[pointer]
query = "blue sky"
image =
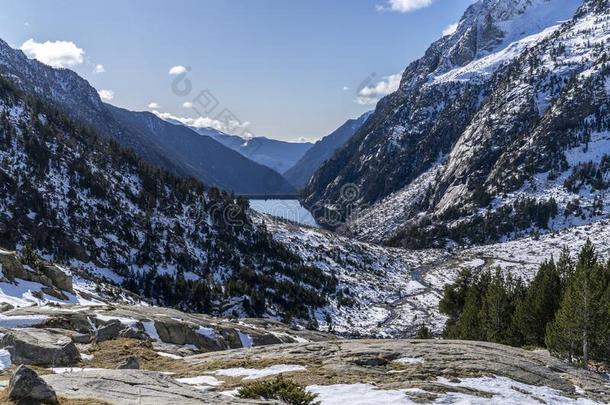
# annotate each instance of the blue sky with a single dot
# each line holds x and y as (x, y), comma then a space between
(283, 69)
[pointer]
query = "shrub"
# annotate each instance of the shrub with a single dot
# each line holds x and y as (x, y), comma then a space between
(281, 389)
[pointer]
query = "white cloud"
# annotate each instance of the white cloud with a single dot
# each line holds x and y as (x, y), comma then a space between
(450, 29)
(106, 95)
(178, 70)
(154, 106)
(187, 104)
(370, 95)
(345, 88)
(59, 54)
(405, 6)
(99, 69)
(230, 127)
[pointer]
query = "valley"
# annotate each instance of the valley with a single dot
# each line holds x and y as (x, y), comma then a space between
(451, 245)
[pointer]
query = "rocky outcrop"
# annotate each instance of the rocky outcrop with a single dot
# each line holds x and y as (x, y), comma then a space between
(48, 275)
(129, 363)
(429, 365)
(41, 347)
(27, 387)
(134, 387)
(83, 324)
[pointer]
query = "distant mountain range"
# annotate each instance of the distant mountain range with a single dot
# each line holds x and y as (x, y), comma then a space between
(297, 161)
(301, 171)
(179, 150)
(278, 155)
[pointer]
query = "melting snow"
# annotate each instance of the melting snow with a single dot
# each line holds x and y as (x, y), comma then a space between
(151, 330)
(207, 332)
(253, 373)
(169, 355)
(61, 370)
(409, 360)
(502, 390)
(5, 359)
(202, 380)
(245, 339)
(21, 321)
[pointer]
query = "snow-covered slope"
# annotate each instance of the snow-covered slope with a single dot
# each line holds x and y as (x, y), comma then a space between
(390, 292)
(83, 201)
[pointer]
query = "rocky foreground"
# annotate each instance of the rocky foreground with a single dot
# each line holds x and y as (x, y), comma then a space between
(103, 354)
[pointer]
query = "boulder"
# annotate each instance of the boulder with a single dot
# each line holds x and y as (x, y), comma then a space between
(180, 333)
(39, 347)
(109, 331)
(59, 279)
(26, 386)
(77, 322)
(81, 338)
(131, 333)
(129, 363)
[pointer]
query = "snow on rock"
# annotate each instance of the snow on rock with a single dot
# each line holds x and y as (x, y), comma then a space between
(253, 373)
(21, 321)
(62, 370)
(151, 330)
(357, 394)
(409, 360)
(245, 339)
(125, 321)
(207, 332)
(169, 355)
(5, 359)
(202, 380)
(493, 390)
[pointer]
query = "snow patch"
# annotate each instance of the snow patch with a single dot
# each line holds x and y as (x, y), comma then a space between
(245, 339)
(253, 373)
(5, 359)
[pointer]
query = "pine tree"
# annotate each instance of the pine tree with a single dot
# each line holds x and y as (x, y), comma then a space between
(454, 299)
(498, 307)
(565, 268)
(575, 331)
(539, 305)
(423, 333)
(469, 325)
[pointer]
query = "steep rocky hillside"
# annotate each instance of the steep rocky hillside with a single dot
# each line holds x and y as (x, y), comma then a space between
(498, 131)
(79, 199)
(181, 152)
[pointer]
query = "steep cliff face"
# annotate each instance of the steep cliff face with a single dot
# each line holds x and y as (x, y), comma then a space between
(483, 131)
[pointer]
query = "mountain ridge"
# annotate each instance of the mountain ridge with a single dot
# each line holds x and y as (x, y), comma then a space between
(435, 160)
(76, 97)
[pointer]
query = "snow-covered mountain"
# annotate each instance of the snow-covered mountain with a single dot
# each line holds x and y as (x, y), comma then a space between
(300, 173)
(277, 155)
(500, 129)
(181, 152)
(86, 202)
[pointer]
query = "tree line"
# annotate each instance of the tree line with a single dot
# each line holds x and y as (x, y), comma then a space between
(565, 308)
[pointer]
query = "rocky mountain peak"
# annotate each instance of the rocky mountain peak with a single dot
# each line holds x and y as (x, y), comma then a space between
(490, 25)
